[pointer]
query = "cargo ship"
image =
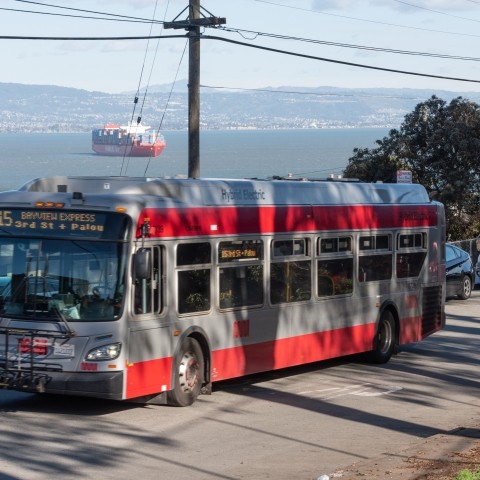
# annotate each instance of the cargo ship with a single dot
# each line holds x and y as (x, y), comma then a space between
(133, 140)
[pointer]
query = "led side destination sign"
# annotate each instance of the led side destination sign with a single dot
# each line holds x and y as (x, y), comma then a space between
(64, 223)
(240, 250)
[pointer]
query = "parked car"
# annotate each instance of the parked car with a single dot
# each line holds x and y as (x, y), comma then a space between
(477, 273)
(460, 272)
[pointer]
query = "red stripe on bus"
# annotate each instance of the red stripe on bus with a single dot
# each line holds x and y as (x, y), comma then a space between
(188, 222)
(146, 378)
(288, 352)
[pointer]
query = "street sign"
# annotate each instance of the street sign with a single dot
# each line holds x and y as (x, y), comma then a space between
(404, 176)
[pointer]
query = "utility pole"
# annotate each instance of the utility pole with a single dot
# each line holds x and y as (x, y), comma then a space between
(193, 23)
(194, 92)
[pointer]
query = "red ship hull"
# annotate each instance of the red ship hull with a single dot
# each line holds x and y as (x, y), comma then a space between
(142, 150)
(138, 140)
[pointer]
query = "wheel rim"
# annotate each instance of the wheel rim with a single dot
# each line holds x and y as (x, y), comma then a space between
(385, 337)
(466, 287)
(188, 372)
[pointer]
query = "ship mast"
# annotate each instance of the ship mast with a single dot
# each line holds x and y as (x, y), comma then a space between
(194, 21)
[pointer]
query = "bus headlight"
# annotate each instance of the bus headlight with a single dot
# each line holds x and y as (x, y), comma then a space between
(105, 352)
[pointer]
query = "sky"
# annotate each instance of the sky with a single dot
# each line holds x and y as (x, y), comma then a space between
(439, 38)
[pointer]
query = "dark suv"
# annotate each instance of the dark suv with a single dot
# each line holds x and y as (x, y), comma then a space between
(460, 272)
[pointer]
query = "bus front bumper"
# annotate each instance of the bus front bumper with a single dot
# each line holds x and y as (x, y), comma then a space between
(108, 385)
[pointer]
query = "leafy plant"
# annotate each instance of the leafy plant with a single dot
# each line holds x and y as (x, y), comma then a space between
(468, 475)
(439, 144)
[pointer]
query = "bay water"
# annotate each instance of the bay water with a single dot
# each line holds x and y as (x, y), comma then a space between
(223, 154)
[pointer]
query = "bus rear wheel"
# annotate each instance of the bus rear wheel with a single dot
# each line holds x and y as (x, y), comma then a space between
(385, 339)
(188, 374)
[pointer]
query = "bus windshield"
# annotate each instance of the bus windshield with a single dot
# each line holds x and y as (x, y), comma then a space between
(78, 280)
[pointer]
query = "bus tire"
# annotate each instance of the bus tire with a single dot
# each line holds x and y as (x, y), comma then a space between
(188, 374)
(385, 340)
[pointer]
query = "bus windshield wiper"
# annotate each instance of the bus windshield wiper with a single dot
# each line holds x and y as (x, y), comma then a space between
(63, 321)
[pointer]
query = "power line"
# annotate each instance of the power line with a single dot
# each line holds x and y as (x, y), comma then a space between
(86, 39)
(378, 22)
(127, 18)
(244, 44)
(436, 11)
(341, 62)
(317, 94)
(131, 20)
(140, 19)
(117, 17)
(347, 45)
(263, 34)
(135, 102)
(243, 31)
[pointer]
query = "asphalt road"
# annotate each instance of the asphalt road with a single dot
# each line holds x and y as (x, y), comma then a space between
(294, 424)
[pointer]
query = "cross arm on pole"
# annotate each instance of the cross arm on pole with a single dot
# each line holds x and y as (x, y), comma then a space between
(197, 22)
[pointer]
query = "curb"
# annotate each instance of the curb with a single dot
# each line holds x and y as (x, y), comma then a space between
(417, 460)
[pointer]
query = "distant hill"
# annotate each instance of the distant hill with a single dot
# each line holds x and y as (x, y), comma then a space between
(40, 108)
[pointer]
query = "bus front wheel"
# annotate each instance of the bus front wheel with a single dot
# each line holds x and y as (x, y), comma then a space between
(188, 374)
(385, 339)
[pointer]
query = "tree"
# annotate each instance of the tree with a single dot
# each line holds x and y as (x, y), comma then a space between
(440, 144)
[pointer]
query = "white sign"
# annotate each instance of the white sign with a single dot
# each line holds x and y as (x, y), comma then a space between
(404, 176)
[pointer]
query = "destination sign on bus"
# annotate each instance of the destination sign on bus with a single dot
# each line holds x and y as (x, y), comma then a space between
(235, 251)
(64, 223)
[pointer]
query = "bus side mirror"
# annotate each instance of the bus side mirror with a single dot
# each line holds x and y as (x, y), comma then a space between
(142, 265)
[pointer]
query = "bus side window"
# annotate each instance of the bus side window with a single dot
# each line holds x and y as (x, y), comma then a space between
(374, 268)
(335, 277)
(240, 273)
(290, 277)
(335, 266)
(193, 277)
(410, 264)
(411, 254)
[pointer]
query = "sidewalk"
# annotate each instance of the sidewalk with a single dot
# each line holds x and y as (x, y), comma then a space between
(439, 457)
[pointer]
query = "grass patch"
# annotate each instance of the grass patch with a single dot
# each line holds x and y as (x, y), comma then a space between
(468, 475)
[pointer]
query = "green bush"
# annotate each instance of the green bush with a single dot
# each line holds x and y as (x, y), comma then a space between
(468, 475)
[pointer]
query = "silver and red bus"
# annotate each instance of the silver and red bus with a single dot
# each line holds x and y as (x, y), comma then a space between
(151, 289)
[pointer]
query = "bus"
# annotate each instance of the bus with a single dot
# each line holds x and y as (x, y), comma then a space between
(151, 289)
